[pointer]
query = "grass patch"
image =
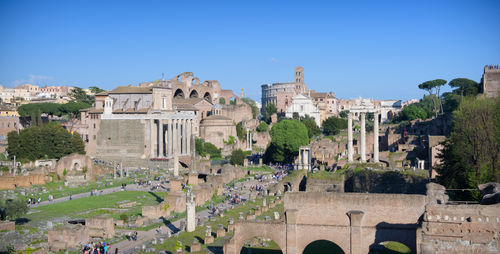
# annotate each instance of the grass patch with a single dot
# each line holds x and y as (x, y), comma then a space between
(395, 248)
(85, 207)
(337, 175)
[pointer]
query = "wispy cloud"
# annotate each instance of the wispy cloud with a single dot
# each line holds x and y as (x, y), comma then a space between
(33, 79)
(273, 60)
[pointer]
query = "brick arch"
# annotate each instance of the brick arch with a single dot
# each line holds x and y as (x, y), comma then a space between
(323, 240)
(338, 235)
(194, 94)
(179, 93)
(244, 231)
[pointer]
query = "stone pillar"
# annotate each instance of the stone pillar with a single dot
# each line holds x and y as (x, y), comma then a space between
(190, 211)
(176, 164)
(356, 241)
(169, 142)
(178, 133)
(174, 138)
(350, 149)
(375, 137)
(363, 137)
(184, 136)
(121, 170)
(160, 138)
(188, 136)
(151, 138)
(248, 138)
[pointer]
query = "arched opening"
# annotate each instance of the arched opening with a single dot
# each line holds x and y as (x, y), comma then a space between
(260, 245)
(76, 166)
(207, 97)
(179, 94)
(323, 247)
(194, 94)
(389, 247)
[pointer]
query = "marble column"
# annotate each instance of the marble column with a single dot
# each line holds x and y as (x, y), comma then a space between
(375, 137)
(248, 138)
(184, 136)
(161, 132)
(174, 137)
(151, 138)
(363, 137)
(188, 136)
(350, 149)
(178, 133)
(169, 142)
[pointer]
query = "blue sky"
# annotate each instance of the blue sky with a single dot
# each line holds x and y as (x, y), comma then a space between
(376, 49)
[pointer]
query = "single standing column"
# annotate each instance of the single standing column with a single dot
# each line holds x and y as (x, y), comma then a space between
(349, 138)
(151, 138)
(363, 137)
(160, 138)
(375, 137)
(188, 136)
(174, 138)
(248, 138)
(178, 133)
(169, 143)
(184, 136)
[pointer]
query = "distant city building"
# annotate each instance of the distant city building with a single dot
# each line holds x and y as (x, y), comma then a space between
(276, 92)
(9, 121)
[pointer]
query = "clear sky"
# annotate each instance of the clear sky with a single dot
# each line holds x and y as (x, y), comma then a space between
(376, 49)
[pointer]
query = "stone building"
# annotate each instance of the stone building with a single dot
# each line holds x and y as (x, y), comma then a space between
(274, 93)
(9, 121)
(326, 103)
(136, 124)
(491, 81)
(217, 128)
(303, 106)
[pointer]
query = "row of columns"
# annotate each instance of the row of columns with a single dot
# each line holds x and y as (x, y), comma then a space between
(350, 149)
(172, 137)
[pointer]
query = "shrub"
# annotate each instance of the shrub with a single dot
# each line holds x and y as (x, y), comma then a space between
(237, 157)
(262, 127)
(124, 217)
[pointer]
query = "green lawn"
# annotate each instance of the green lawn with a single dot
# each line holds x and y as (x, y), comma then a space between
(395, 248)
(57, 189)
(326, 175)
(92, 206)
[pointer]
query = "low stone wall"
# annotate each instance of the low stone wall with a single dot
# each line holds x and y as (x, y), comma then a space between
(460, 229)
(100, 227)
(11, 182)
(155, 211)
(68, 236)
(324, 185)
(74, 162)
(7, 225)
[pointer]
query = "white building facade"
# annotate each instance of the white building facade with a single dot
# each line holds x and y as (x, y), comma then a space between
(303, 106)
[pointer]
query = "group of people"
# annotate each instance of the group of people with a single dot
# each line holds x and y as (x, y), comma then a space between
(33, 201)
(94, 192)
(132, 236)
(97, 248)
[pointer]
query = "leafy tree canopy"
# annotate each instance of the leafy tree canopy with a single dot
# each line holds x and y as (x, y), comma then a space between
(237, 157)
(262, 127)
(47, 141)
(78, 95)
(269, 110)
(253, 105)
(333, 125)
(465, 87)
(286, 138)
(312, 128)
(96, 90)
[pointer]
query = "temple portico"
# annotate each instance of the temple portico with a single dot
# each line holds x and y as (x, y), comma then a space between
(362, 107)
(170, 134)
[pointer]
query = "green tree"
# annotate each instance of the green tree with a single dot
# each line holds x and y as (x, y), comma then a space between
(262, 127)
(464, 87)
(269, 110)
(13, 209)
(45, 141)
(240, 132)
(78, 95)
(429, 86)
(286, 138)
(312, 128)
(333, 125)
(222, 101)
(96, 90)
(212, 150)
(471, 153)
(412, 112)
(343, 113)
(237, 157)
